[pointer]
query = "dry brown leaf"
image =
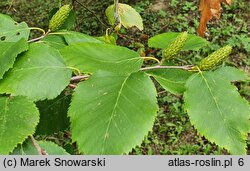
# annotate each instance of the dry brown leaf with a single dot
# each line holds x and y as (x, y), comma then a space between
(209, 9)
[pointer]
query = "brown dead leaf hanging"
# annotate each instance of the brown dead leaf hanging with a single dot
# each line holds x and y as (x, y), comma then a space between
(209, 9)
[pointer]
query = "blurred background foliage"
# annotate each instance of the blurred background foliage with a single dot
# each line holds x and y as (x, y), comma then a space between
(172, 132)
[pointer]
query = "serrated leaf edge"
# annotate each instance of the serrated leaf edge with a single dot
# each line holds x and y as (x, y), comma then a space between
(35, 123)
(130, 149)
(212, 140)
(10, 48)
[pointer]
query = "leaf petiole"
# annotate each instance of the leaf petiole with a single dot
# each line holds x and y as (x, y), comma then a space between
(75, 69)
(153, 58)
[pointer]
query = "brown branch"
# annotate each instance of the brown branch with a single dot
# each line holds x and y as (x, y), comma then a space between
(79, 78)
(73, 86)
(161, 92)
(76, 79)
(37, 146)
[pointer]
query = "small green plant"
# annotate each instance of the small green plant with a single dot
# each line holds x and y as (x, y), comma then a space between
(104, 90)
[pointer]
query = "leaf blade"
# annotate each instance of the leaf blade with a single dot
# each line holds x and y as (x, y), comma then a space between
(8, 53)
(27, 148)
(119, 127)
(163, 40)
(72, 37)
(11, 31)
(172, 80)
(224, 118)
(18, 119)
(56, 41)
(91, 57)
(27, 76)
(232, 74)
(128, 16)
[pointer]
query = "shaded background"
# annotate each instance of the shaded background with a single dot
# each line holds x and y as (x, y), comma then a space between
(172, 133)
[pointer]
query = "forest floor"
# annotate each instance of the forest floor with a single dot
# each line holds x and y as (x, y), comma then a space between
(172, 132)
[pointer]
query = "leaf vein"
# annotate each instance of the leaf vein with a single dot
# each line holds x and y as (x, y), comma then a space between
(113, 113)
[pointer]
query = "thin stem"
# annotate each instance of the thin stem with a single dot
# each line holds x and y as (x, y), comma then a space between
(153, 58)
(11, 4)
(116, 3)
(187, 67)
(198, 69)
(37, 28)
(161, 92)
(37, 146)
(194, 68)
(22, 150)
(92, 12)
(107, 31)
(58, 33)
(75, 69)
(38, 38)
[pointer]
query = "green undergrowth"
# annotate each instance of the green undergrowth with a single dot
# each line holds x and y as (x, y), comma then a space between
(172, 132)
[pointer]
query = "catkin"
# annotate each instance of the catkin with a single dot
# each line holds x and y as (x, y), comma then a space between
(174, 48)
(215, 58)
(59, 18)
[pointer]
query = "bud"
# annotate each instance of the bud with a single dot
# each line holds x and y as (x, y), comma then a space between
(175, 47)
(59, 18)
(215, 58)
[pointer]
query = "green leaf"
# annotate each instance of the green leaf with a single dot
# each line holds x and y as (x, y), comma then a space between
(232, 74)
(9, 52)
(18, 120)
(39, 74)
(11, 31)
(172, 80)
(52, 12)
(76, 37)
(111, 114)
(162, 41)
(52, 148)
(27, 148)
(55, 41)
(70, 21)
(128, 16)
(53, 115)
(91, 57)
(218, 111)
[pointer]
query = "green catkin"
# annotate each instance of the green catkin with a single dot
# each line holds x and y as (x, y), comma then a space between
(175, 47)
(59, 18)
(215, 58)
